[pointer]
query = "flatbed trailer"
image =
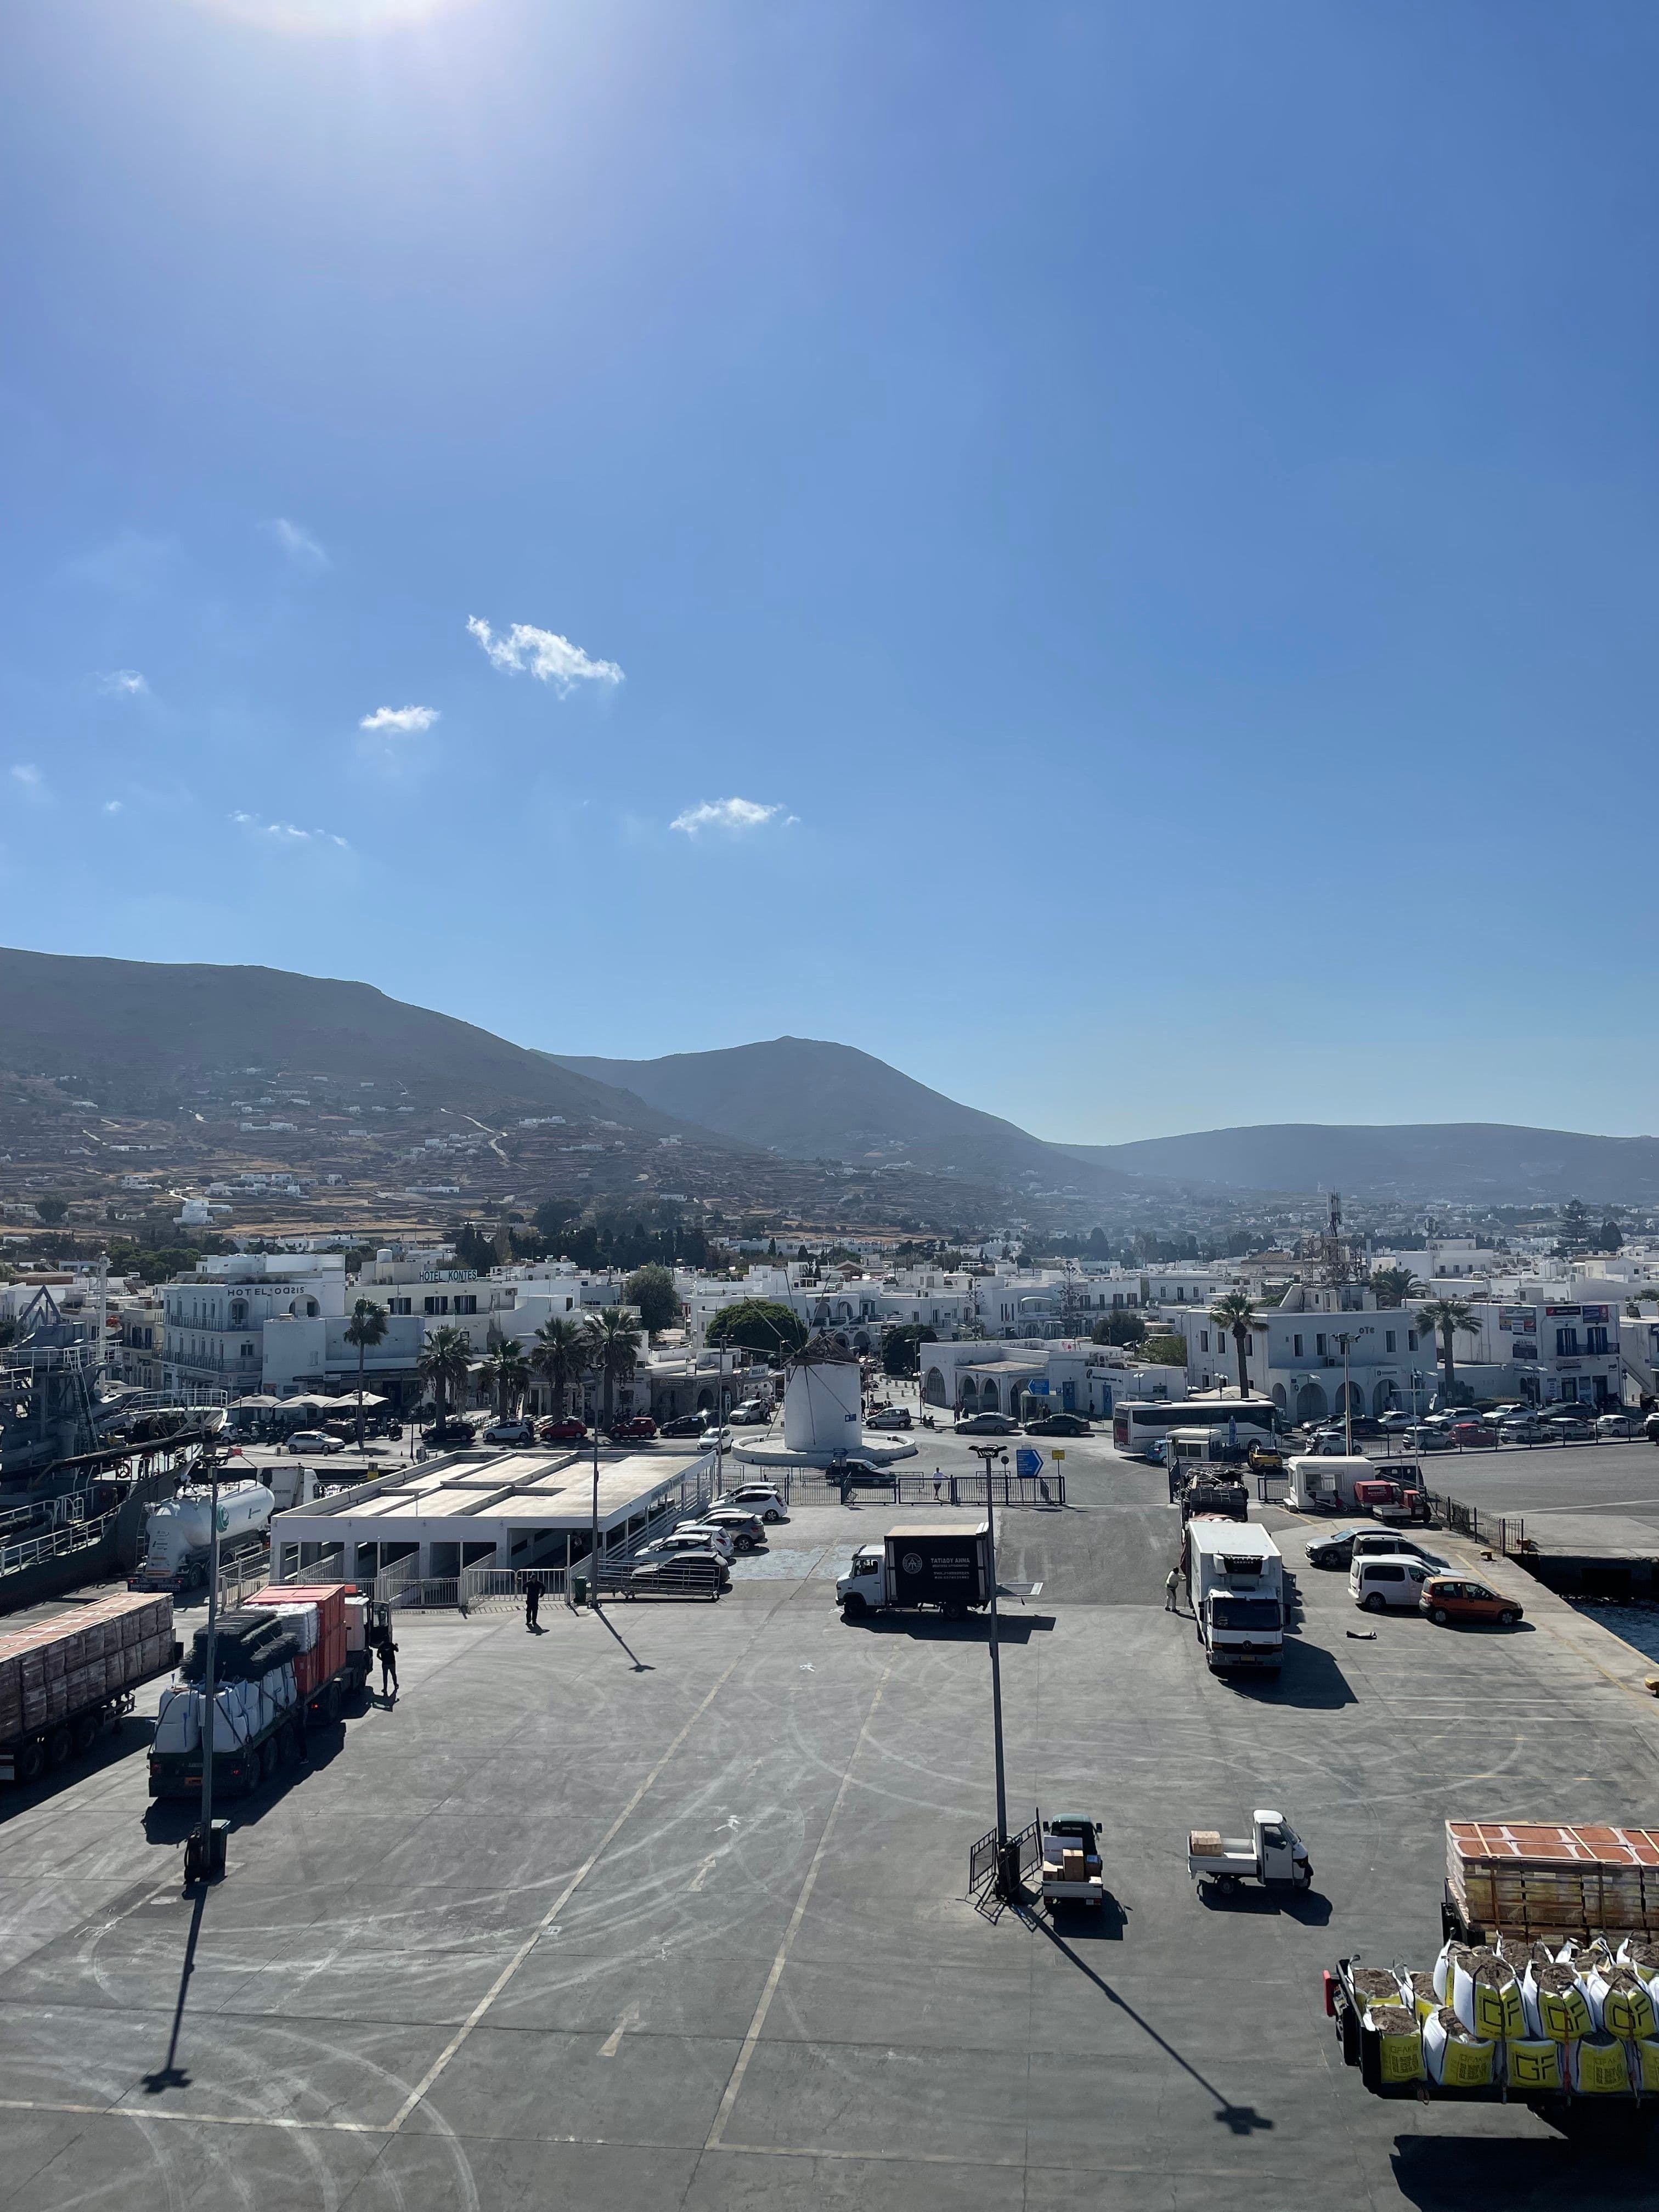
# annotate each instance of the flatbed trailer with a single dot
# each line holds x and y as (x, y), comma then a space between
(63, 1681)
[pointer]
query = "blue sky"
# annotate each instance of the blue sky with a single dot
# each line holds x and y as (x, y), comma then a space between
(1107, 555)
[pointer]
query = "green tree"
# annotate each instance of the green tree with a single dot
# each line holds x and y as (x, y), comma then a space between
(652, 1290)
(474, 1249)
(614, 1349)
(506, 1372)
(49, 1211)
(445, 1360)
(1393, 1285)
(1123, 1325)
(1236, 1314)
(367, 1326)
(560, 1353)
(1165, 1351)
(760, 1325)
(901, 1348)
(1446, 1316)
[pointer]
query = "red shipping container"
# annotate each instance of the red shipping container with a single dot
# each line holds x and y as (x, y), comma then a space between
(318, 1665)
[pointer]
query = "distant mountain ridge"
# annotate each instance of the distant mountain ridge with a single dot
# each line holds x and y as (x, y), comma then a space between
(815, 1100)
(1499, 1161)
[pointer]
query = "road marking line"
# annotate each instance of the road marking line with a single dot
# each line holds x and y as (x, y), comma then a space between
(424, 2085)
(704, 1872)
(197, 2120)
(734, 2085)
(612, 2043)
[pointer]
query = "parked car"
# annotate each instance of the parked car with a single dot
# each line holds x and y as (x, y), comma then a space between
(510, 1432)
(1466, 1429)
(686, 1424)
(679, 1540)
(757, 1497)
(1448, 1598)
(859, 1474)
(1519, 1429)
(988, 1425)
(1424, 1439)
(1395, 1418)
(1391, 1582)
(1058, 1424)
(1621, 1425)
(561, 1429)
(633, 1429)
(315, 1443)
(1651, 1425)
(448, 1436)
(889, 1416)
(753, 1413)
(744, 1528)
(1571, 1427)
(703, 1574)
(1329, 1443)
(1389, 1543)
(1333, 1549)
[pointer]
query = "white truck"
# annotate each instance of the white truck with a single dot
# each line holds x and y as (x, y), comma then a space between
(178, 1534)
(1072, 1869)
(1271, 1854)
(919, 1565)
(1236, 1584)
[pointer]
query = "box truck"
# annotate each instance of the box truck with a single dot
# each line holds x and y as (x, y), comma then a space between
(913, 1567)
(1236, 1583)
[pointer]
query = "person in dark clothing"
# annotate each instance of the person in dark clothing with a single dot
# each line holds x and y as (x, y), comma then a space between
(533, 1605)
(388, 1652)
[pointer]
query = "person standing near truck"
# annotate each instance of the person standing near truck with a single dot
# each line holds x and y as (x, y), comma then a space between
(1171, 1587)
(388, 1653)
(533, 1605)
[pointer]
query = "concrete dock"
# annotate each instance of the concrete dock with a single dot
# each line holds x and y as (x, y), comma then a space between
(670, 1909)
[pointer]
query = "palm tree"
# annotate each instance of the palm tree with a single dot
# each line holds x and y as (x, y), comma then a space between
(1393, 1285)
(1235, 1313)
(445, 1359)
(1447, 1315)
(367, 1326)
(560, 1352)
(506, 1372)
(613, 1346)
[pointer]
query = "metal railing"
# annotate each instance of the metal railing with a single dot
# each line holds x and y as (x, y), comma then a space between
(70, 1536)
(240, 1577)
(816, 1486)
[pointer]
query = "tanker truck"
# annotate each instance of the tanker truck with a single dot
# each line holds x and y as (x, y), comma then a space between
(179, 1534)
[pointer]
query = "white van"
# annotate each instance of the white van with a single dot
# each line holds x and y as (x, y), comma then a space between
(1381, 1584)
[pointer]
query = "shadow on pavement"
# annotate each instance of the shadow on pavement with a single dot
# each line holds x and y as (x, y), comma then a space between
(928, 1628)
(1306, 1906)
(1310, 1678)
(1449, 2173)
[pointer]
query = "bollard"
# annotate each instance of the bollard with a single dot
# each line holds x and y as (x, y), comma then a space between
(578, 1588)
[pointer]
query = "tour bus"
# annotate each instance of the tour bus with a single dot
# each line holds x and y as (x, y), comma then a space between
(1139, 1423)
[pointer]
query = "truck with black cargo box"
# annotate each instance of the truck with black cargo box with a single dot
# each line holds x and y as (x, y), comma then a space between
(919, 1565)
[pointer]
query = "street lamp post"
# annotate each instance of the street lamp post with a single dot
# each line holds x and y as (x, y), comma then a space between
(201, 1860)
(593, 1538)
(1006, 1885)
(1347, 1338)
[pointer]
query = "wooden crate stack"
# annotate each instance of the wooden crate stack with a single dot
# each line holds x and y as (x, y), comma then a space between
(1540, 1881)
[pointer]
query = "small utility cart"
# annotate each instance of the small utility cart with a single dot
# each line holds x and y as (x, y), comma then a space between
(1071, 1872)
(1271, 1854)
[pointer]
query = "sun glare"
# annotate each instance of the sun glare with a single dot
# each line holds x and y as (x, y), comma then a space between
(331, 18)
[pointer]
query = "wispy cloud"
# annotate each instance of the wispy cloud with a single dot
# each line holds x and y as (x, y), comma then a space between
(30, 777)
(300, 546)
(113, 806)
(285, 833)
(543, 654)
(123, 683)
(736, 817)
(400, 721)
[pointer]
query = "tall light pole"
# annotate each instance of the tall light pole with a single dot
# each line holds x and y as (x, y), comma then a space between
(593, 1539)
(1348, 1338)
(985, 1454)
(201, 1862)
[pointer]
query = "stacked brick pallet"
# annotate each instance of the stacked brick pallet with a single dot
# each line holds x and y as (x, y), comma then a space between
(80, 1661)
(1536, 1879)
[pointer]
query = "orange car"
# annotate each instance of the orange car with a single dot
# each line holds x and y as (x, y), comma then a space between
(1446, 1598)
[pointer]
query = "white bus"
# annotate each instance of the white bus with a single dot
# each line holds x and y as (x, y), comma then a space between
(1137, 1424)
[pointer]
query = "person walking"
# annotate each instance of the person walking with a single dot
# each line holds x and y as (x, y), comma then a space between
(939, 1483)
(533, 1605)
(388, 1652)
(1171, 1587)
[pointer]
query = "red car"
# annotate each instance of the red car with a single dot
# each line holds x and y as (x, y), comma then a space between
(563, 1429)
(634, 1429)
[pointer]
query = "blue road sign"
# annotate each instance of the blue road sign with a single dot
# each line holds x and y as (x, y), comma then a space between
(1028, 1462)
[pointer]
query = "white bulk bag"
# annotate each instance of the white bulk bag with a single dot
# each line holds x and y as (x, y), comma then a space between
(178, 1721)
(1555, 2004)
(1455, 2055)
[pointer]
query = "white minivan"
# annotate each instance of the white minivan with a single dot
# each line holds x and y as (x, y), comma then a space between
(1382, 1583)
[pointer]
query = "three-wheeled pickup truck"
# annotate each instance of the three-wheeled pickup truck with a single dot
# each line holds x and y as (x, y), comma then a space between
(1271, 1854)
(1071, 1872)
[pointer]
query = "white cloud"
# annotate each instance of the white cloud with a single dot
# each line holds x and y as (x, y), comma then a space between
(112, 806)
(285, 833)
(400, 721)
(300, 546)
(30, 777)
(123, 683)
(735, 816)
(547, 656)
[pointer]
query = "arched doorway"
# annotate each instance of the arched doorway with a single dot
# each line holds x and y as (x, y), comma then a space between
(934, 1389)
(1382, 1398)
(1280, 1399)
(989, 1399)
(1311, 1403)
(1351, 1394)
(970, 1394)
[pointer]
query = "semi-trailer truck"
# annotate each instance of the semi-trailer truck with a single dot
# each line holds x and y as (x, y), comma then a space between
(178, 1536)
(913, 1567)
(1236, 1583)
(283, 1660)
(62, 1681)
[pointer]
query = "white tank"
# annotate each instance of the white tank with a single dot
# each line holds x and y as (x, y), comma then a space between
(823, 1406)
(185, 1525)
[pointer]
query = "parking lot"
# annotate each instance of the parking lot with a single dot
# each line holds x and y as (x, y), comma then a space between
(670, 1909)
